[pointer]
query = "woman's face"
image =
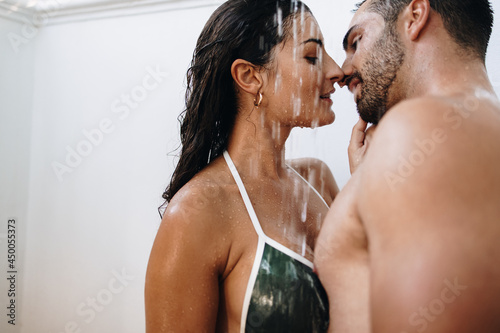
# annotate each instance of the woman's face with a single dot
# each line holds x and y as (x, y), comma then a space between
(301, 77)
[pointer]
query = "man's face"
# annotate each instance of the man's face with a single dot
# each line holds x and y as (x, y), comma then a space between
(374, 55)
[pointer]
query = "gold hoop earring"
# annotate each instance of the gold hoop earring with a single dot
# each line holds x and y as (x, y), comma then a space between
(257, 103)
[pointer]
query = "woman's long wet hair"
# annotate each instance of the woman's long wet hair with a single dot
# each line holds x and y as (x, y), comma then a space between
(238, 29)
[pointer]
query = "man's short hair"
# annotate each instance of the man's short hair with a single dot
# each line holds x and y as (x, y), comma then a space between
(469, 22)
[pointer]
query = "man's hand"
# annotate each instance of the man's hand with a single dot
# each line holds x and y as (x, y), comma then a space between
(358, 145)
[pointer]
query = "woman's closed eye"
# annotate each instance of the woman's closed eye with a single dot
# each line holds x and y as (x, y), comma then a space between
(312, 60)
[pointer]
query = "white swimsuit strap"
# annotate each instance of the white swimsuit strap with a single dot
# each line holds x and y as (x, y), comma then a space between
(244, 195)
(312, 187)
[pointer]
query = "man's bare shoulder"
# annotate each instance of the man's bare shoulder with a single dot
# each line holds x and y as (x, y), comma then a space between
(424, 125)
(446, 112)
(428, 200)
(404, 128)
(420, 114)
(435, 148)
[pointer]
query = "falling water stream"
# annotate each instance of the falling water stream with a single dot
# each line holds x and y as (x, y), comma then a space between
(296, 201)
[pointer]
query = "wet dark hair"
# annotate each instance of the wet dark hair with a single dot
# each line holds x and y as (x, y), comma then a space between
(238, 29)
(469, 22)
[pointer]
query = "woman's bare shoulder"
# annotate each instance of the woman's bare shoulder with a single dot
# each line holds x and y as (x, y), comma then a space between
(318, 174)
(305, 165)
(199, 203)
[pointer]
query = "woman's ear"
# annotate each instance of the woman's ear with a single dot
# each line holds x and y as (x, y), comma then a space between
(416, 17)
(246, 76)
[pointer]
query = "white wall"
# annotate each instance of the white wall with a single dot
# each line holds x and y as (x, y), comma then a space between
(16, 98)
(86, 227)
(96, 218)
(102, 216)
(493, 56)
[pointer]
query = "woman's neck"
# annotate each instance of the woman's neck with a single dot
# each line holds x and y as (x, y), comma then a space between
(257, 146)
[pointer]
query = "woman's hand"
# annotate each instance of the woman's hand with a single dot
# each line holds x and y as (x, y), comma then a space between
(360, 139)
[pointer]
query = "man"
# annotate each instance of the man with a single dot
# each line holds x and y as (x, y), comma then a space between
(412, 242)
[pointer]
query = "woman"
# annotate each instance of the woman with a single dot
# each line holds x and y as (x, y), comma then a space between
(235, 248)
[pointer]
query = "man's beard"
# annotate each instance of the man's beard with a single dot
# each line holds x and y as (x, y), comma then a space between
(378, 74)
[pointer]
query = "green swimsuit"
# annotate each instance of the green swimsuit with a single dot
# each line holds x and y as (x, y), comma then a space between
(283, 294)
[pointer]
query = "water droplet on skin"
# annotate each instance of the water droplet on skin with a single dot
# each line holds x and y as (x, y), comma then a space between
(297, 105)
(303, 216)
(277, 84)
(316, 103)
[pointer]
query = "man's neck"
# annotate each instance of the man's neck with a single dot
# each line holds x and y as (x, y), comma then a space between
(447, 76)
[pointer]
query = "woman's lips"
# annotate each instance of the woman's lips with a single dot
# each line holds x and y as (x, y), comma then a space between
(327, 97)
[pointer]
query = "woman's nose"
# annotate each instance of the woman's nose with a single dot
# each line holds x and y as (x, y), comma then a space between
(334, 72)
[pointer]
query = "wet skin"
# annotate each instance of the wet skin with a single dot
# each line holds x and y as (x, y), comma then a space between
(205, 248)
(411, 242)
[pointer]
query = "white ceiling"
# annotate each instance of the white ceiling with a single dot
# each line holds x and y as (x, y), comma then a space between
(61, 11)
(41, 4)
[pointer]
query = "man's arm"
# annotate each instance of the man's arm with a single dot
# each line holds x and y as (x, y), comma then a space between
(424, 212)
